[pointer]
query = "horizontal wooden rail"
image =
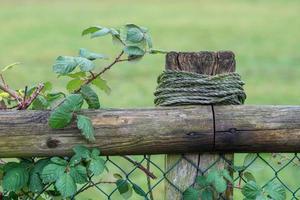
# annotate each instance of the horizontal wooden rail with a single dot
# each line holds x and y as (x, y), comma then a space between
(158, 130)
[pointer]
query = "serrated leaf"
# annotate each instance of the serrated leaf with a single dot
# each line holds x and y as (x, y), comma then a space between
(201, 181)
(59, 118)
(206, 194)
(251, 190)
(249, 176)
(66, 185)
(40, 103)
(62, 115)
(191, 194)
(92, 29)
(85, 125)
(85, 64)
(90, 97)
(15, 178)
(134, 51)
(226, 175)
(102, 85)
(97, 166)
(276, 191)
(134, 35)
(79, 174)
(74, 84)
(35, 182)
(249, 158)
(47, 86)
(124, 188)
(52, 172)
(64, 65)
(138, 190)
(101, 32)
(220, 184)
(82, 151)
(90, 55)
(77, 75)
(59, 161)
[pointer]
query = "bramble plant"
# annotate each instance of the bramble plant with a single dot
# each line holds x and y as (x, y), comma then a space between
(60, 177)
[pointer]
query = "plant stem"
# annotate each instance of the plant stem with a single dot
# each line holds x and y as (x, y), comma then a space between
(11, 92)
(27, 102)
(94, 76)
(140, 166)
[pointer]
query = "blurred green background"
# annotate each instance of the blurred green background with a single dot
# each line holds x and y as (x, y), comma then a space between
(264, 34)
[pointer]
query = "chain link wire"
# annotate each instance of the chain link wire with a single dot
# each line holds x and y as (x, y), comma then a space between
(266, 167)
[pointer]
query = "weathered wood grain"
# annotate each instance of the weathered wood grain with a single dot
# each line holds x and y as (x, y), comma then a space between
(117, 132)
(257, 128)
(184, 173)
(157, 130)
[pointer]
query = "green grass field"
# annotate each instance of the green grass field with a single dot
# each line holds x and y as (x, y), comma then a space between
(264, 34)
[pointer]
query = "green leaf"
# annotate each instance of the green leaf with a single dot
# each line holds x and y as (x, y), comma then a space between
(90, 55)
(134, 51)
(66, 185)
(276, 191)
(191, 194)
(10, 66)
(148, 40)
(40, 103)
(249, 176)
(77, 75)
(79, 174)
(92, 29)
(134, 35)
(85, 125)
(138, 190)
(97, 165)
(62, 115)
(102, 32)
(60, 118)
(52, 172)
(59, 161)
(201, 181)
(35, 183)
(124, 188)
(74, 84)
(64, 65)
(206, 194)
(90, 97)
(82, 151)
(226, 175)
(85, 64)
(220, 184)
(249, 158)
(102, 85)
(15, 178)
(251, 190)
(47, 86)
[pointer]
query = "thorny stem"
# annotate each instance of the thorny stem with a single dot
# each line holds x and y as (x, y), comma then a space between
(27, 102)
(148, 178)
(94, 76)
(11, 92)
(140, 166)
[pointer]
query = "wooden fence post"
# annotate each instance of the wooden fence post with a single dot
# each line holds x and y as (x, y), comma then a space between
(183, 174)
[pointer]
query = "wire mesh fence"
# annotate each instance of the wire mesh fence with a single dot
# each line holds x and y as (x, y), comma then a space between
(265, 167)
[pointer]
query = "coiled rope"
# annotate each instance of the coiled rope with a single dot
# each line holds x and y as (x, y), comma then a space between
(185, 88)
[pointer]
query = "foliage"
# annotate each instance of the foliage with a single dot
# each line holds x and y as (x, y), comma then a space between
(216, 181)
(59, 177)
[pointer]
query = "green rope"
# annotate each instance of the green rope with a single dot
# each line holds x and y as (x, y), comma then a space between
(185, 88)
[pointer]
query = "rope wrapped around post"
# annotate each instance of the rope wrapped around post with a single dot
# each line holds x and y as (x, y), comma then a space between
(186, 88)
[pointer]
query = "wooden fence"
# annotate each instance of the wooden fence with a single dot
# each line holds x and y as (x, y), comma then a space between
(164, 130)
